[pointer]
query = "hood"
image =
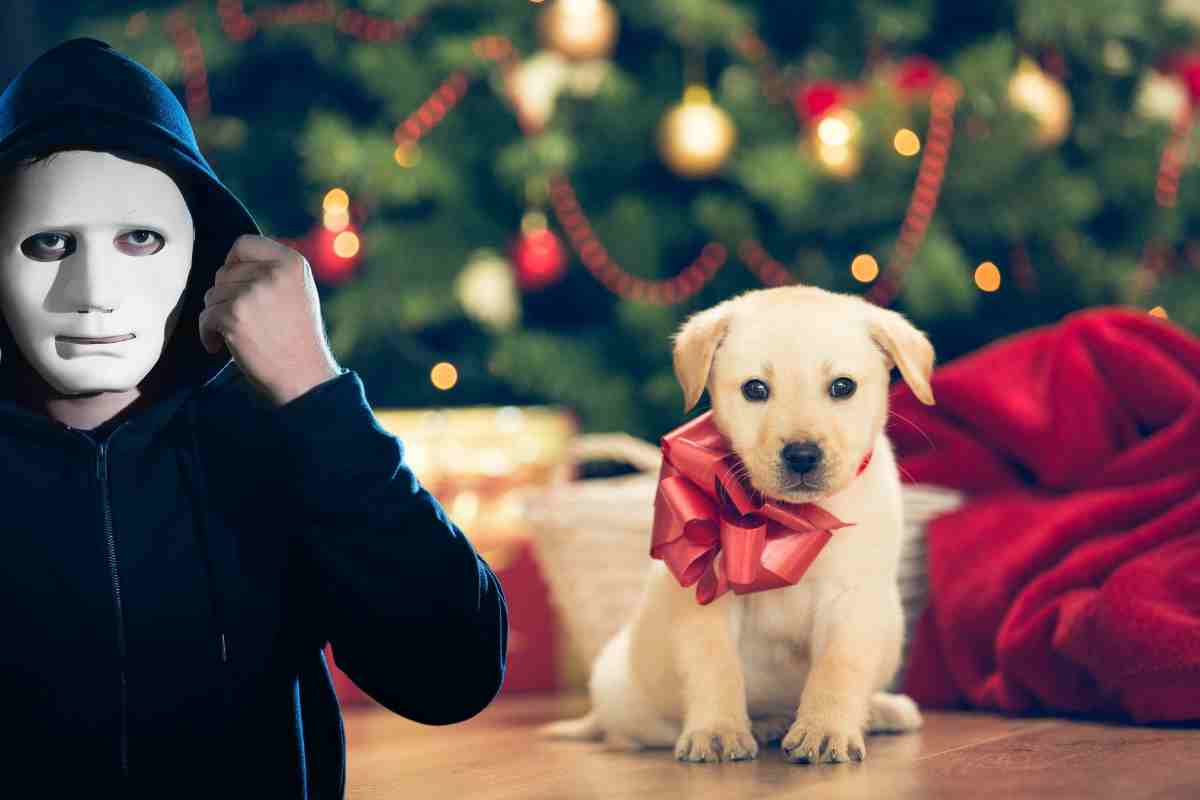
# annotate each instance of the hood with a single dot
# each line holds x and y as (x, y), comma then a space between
(84, 95)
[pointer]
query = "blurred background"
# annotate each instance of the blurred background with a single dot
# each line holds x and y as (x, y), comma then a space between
(535, 194)
(510, 205)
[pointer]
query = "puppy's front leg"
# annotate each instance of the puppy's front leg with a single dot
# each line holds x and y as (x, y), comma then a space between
(852, 644)
(716, 725)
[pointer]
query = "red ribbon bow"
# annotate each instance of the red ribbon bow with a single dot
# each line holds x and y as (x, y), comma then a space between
(711, 529)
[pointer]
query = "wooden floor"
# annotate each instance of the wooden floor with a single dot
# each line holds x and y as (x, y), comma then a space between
(965, 755)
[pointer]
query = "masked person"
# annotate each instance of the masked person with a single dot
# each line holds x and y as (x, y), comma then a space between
(196, 496)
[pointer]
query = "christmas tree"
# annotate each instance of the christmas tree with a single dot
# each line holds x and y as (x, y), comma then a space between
(519, 202)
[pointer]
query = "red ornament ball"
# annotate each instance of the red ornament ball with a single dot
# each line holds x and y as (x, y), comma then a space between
(917, 75)
(814, 99)
(539, 257)
(1187, 66)
(334, 260)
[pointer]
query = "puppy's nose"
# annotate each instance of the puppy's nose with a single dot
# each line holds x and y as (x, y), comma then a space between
(801, 457)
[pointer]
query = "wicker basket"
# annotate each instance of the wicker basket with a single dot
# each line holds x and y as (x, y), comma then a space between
(592, 538)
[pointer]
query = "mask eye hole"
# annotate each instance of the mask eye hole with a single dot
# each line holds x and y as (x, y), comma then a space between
(48, 246)
(842, 388)
(755, 390)
(142, 242)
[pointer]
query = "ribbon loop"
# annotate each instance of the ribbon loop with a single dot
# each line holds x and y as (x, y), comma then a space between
(715, 532)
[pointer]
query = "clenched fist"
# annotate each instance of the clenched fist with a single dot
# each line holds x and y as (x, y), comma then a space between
(264, 307)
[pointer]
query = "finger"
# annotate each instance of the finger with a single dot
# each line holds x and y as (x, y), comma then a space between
(213, 323)
(226, 291)
(243, 271)
(249, 247)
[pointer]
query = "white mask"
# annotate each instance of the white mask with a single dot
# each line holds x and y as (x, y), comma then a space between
(93, 245)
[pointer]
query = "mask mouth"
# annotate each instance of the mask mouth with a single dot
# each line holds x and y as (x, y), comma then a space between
(121, 337)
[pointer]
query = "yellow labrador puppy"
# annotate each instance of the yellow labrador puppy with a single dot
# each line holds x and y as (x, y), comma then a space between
(798, 381)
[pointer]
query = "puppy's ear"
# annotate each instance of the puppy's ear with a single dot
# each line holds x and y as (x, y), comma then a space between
(906, 348)
(695, 344)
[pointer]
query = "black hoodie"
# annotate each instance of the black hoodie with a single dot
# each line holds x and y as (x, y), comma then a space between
(171, 578)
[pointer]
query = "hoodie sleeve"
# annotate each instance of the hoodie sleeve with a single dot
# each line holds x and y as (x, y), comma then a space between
(416, 617)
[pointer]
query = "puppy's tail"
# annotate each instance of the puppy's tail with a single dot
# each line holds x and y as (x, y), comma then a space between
(893, 713)
(584, 729)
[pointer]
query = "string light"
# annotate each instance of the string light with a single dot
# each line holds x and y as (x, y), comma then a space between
(237, 25)
(443, 375)
(907, 143)
(834, 131)
(838, 158)
(336, 200)
(864, 268)
(837, 143)
(987, 276)
(757, 260)
(346, 244)
(407, 154)
(336, 220)
(1159, 311)
(924, 198)
(336, 205)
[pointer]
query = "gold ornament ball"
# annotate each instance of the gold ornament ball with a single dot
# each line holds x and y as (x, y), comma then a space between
(836, 143)
(535, 85)
(696, 136)
(1161, 96)
(579, 29)
(487, 289)
(1033, 91)
(1187, 10)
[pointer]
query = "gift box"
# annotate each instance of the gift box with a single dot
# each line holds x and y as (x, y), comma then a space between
(534, 631)
(477, 462)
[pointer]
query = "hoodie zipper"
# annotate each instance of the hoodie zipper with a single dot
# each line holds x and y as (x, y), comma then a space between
(102, 475)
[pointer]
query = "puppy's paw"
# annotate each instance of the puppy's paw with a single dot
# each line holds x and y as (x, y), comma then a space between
(721, 742)
(829, 742)
(893, 713)
(770, 729)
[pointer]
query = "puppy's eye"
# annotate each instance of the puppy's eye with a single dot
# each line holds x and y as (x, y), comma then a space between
(842, 387)
(755, 390)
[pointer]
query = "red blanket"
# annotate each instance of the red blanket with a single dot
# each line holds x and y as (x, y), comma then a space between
(1070, 579)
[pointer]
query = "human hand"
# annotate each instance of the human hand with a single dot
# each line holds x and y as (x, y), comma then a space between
(264, 307)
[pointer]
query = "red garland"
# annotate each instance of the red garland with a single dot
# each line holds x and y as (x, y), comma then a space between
(811, 101)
